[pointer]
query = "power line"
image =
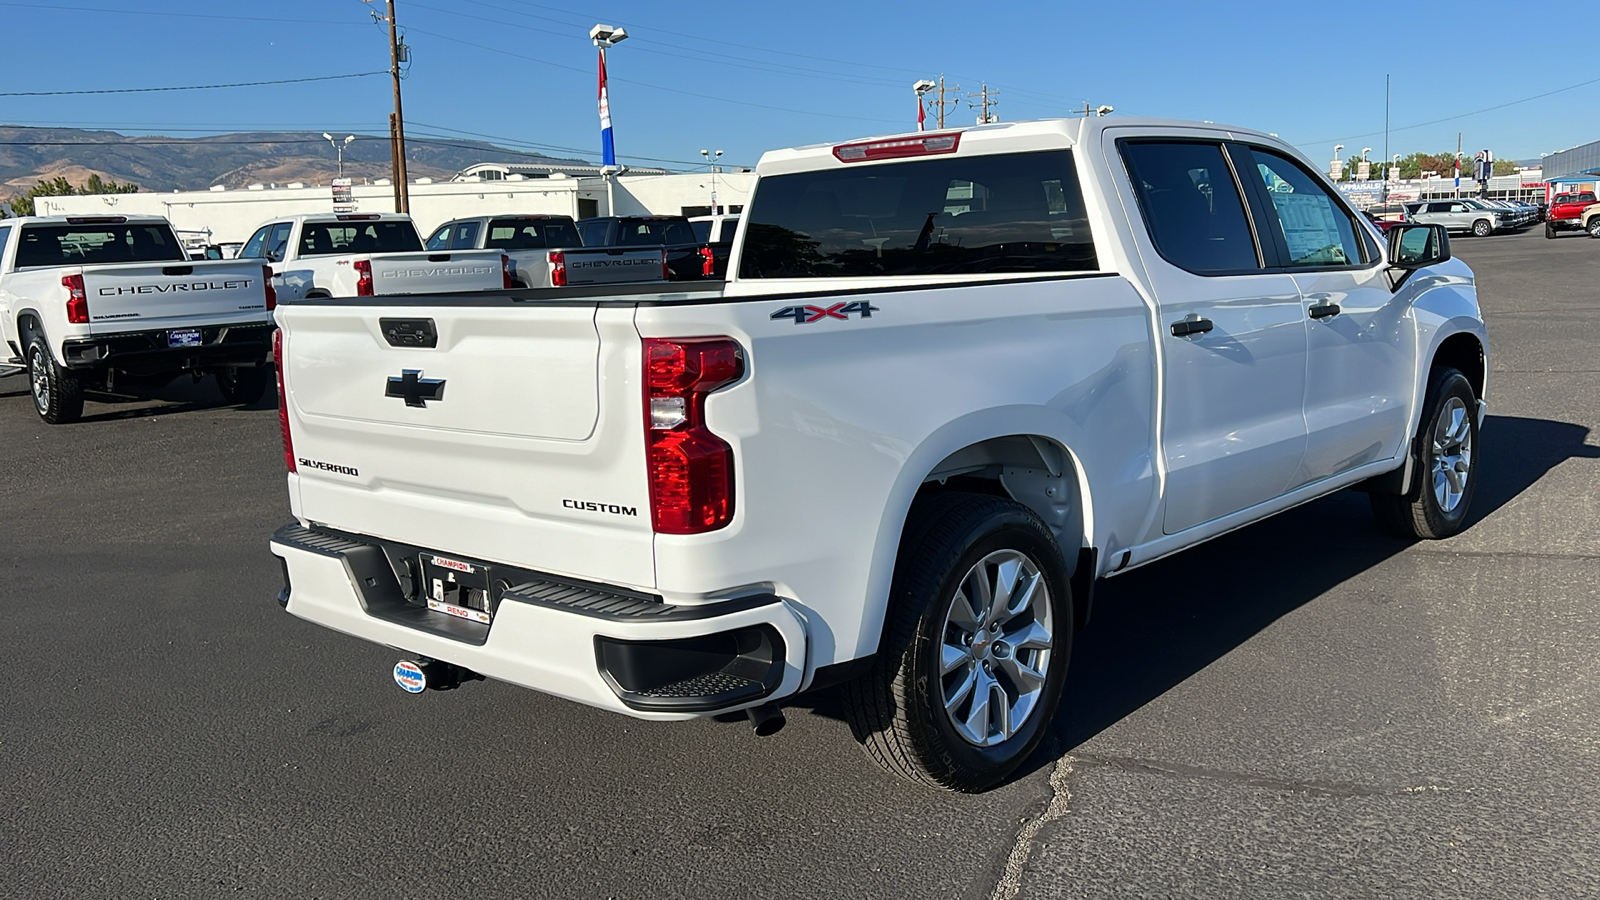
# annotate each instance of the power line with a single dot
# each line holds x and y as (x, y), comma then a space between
(173, 15)
(190, 87)
(696, 94)
(1570, 87)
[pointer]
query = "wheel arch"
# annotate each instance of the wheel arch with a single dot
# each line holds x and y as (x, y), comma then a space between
(1017, 452)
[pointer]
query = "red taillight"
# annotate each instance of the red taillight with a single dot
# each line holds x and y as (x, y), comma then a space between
(690, 469)
(272, 292)
(708, 262)
(363, 269)
(558, 268)
(898, 148)
(506, 279)
(283, 400)
(77, 300)
(666, 270)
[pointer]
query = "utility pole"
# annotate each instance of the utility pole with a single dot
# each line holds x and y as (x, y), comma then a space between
(984, 97)
(945, 104)
(398, 53)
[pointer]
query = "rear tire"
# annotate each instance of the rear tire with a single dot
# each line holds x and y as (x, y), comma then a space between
(57, 393)
(1549, 231)
(1443, 478)
(975, 645)
(242, 384)
(1594, 227)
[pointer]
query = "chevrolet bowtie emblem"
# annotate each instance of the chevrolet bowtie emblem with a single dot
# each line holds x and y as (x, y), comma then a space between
(411, 387)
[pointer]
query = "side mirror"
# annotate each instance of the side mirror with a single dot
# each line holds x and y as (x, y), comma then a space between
(1412, 246)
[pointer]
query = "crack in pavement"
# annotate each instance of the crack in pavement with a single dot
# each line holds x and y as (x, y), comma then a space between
(1268, 782)
(1010, 882)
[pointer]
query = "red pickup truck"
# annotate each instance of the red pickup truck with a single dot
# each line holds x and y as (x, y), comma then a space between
(1566, 212)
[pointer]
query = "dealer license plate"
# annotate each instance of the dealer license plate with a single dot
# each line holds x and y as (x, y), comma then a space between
(188, 337)
(456, 588)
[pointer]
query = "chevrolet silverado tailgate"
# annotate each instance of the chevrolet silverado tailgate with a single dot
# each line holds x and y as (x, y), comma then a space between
(437, 273)
(140, 296)
(498, 430)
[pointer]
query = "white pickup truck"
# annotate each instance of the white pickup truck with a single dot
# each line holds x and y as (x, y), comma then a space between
(103, 302)
(366, 254)
(953, 379)
(545, 251)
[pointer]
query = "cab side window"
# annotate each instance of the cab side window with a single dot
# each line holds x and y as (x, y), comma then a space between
(1192, 206)
(466, 236)
(440, 239)
(278, 241)
(256, 247)
(1316, 230)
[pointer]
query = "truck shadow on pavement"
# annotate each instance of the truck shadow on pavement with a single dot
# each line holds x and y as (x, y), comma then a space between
(1156, 626)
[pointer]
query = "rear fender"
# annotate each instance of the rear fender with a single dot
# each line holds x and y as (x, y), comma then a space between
(1047, 427)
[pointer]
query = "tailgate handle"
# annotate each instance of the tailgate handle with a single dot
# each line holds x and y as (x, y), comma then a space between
(438, 257)
(177, 270)
(409, 332)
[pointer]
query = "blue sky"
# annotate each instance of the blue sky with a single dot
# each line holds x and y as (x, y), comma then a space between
(745, 78)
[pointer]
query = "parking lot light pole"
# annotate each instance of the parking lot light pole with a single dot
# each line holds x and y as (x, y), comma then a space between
(339, 148)
(712, 161)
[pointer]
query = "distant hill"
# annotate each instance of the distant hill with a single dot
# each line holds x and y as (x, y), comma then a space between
(30, 155)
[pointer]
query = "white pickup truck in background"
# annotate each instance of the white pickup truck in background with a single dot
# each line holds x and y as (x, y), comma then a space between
(545, 251)
(953, 378)
(108, 302)
(366, 254)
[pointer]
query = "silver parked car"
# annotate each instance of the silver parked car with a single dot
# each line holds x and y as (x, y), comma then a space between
(1462, 216)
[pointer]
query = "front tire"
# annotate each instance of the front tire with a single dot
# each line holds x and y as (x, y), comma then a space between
(975, 645)
(1444, 478)
(1483, 228)
(57, 393)
(242, 384)
(1594, 227)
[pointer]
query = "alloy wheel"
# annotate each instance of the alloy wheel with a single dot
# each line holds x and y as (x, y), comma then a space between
(996, 647)
(1451, 454)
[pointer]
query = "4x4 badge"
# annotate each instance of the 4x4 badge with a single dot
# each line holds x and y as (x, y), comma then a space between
(411, 387)
(804, 315)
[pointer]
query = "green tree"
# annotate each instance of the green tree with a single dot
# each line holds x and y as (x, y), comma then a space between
(59, 186)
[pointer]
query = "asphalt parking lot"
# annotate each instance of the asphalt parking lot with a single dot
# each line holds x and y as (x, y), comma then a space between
(1305, 708)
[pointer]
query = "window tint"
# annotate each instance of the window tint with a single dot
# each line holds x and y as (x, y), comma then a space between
(466, 237)
(71, 245)
(526, 234)
(1192, 206)
(702, 231)
(1316, 230)
(278, 241)
(1020, 212)
(594, 234)
(5, 235)
(440, 239)
(326, 238)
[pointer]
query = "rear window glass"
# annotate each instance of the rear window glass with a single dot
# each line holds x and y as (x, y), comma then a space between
(326, 238)
(523, 234)
(73, 245)
(655, 232)
(1019, 212)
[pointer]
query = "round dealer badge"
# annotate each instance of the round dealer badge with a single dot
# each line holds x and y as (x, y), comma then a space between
(409, 676)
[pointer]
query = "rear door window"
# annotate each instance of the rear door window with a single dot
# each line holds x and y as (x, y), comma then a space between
(465, 236)
(1192, 206)
(594, 234)
(1000, 213)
